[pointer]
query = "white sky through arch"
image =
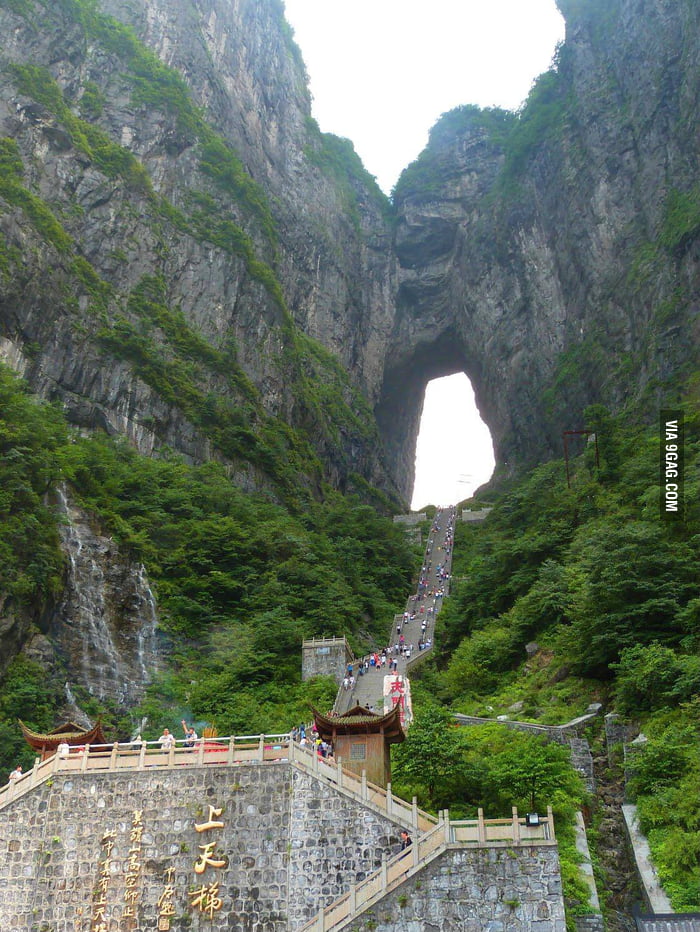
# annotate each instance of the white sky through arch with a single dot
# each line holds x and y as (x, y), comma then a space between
(381, 72)
(454, 455)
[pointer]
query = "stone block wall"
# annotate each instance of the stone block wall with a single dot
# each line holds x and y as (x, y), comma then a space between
(472, 890)
(325, 657)
(334, 842)
(281, 845)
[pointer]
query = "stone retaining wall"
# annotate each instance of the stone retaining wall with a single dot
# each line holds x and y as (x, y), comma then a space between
(562, 734)
(325, 657)
(288, 844)
(251, 847)
(470, 890)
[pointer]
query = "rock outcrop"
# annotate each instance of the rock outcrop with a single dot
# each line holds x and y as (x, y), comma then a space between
(188, 261)
(554, 257)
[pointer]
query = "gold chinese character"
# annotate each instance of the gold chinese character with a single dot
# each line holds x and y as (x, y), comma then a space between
(108, 848)
(207, 898)
(167, 909)
(168, 892)
(169, 874)
(206, 859)
(100, 927)
(128, 912)
(163, 924)
(108, 836)
(138, 813)
(132, 895)
(99, 912)
(136, 833)
(205, 826)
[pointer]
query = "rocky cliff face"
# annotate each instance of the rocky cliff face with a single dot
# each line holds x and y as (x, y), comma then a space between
(187, 261)
(174, 228)
(555, 257)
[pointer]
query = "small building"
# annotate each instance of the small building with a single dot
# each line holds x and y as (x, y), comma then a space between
(412, 519)
(69, 733)
(475, 515)
(325, 657)
(362, 738)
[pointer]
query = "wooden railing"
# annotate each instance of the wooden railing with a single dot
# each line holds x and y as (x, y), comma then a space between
(227, 751)
(478, 832)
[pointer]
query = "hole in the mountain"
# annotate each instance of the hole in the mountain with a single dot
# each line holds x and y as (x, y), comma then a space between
(454, 454)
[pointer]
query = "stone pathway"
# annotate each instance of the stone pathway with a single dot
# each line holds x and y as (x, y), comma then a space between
(368, 690)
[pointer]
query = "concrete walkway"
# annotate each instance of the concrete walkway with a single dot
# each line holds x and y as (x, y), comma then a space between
(424, 603)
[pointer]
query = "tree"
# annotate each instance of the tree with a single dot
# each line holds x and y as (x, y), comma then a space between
(431, 757)
(522, 769)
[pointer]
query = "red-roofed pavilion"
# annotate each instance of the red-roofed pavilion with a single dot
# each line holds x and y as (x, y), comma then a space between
(69, 733)
(362, 738)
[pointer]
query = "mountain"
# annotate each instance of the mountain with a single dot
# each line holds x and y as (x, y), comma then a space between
(553, 254)
(189, 262)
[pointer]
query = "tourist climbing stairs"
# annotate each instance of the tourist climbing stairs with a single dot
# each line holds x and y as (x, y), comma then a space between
(412, 631)
(396, 871)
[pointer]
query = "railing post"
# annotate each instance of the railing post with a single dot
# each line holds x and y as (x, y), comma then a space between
(448, 827)
(83, 762)
(339, 767)
(550, 823)
(171, 755)
(291, 749)
(415, 854)
(516, 826)
(231, 749)
(56, 760)
(363, 786)
(34, 772)
(481, 827)
(200, 751)
(113, 756)
(142, 756)
(388, 800)
(320, 920)
(352, 900)
(261, 748)
(414, 813)
(383, 872)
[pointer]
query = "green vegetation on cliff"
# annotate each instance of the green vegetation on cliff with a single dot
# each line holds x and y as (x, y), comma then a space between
(205, 382)
(240, 580)
(608, 596)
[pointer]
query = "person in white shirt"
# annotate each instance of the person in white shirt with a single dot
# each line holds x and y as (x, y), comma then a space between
(166, 740)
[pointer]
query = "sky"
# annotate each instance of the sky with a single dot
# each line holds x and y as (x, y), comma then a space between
(381, 73)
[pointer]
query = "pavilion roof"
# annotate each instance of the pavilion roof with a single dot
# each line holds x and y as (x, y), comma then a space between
(68, 733)
(360, 721)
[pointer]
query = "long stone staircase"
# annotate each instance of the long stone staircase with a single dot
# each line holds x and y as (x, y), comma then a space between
(425, 605)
